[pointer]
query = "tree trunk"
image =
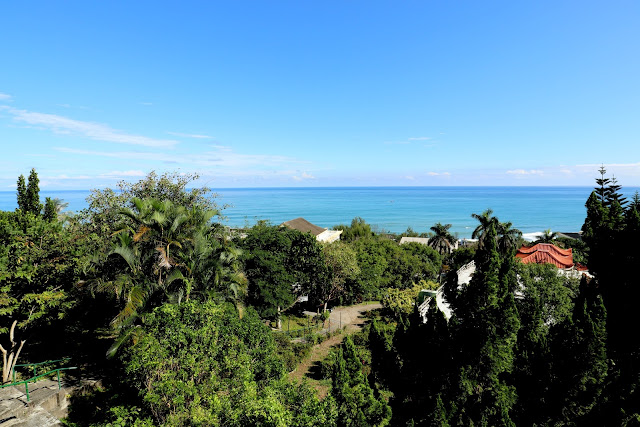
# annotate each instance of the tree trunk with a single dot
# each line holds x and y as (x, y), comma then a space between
(10, 357)
(279, 320)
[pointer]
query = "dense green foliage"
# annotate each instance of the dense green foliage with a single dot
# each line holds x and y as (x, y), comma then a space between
(202, 364)
(281, 264)
(185, 303)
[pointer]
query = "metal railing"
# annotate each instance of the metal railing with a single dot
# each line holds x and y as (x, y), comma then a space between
(35, 378)
(35, 366)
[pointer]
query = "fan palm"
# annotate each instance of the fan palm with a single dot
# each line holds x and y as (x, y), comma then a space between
(442, 241)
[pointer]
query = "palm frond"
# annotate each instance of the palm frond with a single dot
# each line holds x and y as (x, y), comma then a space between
(128, 254)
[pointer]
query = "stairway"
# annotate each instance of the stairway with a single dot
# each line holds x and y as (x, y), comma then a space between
(46, 405)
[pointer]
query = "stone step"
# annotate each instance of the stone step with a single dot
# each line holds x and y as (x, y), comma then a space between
(46, 403)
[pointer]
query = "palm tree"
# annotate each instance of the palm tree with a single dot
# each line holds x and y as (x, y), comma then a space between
(167, 253)
(486, 221)
(508, 238)
(548, 236)
(442, 241)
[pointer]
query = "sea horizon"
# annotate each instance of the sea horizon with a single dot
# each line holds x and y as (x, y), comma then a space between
(532, 209)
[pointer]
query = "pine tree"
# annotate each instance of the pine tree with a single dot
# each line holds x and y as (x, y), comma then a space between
(581, 363)
(614, 193)
(32, 199)
(50, 211)
(594, 232)
(22, 194)
(602, 189)
(486, 335)
(357, 405)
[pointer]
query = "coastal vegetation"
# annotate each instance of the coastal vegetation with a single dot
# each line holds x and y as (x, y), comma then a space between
(180, 318)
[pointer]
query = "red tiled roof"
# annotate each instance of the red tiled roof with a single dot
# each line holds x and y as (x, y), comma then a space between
(546, 253)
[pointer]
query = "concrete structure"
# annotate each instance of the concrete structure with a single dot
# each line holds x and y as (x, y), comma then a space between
(321, 234)
(46, 406)
(421, 240)
(425, 241)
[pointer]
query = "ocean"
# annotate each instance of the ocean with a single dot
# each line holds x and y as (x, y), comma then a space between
(530, 209)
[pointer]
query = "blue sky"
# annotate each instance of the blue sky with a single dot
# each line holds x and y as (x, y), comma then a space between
(320, 93)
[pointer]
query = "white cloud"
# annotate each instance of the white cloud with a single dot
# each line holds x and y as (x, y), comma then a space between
(304, 176)
(439, 173)
(419, 138)
(410, 178)
(222, 158)
(522, 172)
(4, 97)
(95, 131)
(190, 135)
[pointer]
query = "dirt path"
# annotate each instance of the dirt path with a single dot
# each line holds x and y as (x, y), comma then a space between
(347, 317)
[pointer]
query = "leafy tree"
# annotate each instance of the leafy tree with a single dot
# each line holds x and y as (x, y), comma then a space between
(102, 216)
(342, 267)
(442, 240)
(545, 304)
(401, 302)
(358, 229)
(201, 364)
(39, 265)
(281, 264)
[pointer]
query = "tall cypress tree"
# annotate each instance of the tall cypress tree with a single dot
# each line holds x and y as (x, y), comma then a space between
(22, 194)
(357, 404)
(32, 202)
(50, 212)
(580, 362)
(486, 336)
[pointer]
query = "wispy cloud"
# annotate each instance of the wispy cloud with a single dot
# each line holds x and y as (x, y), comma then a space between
(4, 97)
(190, 135)
(303, 176)
(95, 131)
(420, 138)
(439, 173)
(221, 158)
(523, 172)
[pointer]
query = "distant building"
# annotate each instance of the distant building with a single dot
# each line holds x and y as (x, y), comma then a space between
(425, 241)
(421, 240)
(321, 234)
(571, 235)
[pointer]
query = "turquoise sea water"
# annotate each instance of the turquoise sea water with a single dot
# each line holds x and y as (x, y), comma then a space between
(531, 209)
